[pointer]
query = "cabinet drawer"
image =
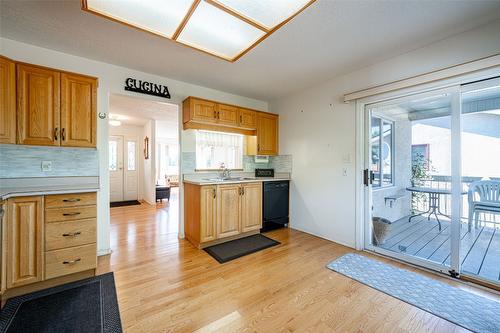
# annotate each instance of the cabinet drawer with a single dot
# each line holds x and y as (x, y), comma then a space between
(59, 235)
(70, 260)
(70, 200)
(70, 213)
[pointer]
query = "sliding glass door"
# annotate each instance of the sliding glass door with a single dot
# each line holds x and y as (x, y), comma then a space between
(413, 180)
(433, 179)
(480, 150)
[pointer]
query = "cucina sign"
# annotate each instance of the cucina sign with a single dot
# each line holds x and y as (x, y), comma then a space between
(148, 88)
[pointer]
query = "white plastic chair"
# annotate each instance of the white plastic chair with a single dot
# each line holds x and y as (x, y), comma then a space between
(483, 197)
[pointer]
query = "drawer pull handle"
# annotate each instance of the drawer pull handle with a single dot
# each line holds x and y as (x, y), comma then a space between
(71, 214)
(72, 200)
(72, 234)
(71, 262)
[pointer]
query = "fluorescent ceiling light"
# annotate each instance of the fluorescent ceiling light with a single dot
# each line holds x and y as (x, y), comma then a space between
(227, 29)
(268, 13)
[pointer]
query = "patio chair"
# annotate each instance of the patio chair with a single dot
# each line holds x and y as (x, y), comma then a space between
(484, 197)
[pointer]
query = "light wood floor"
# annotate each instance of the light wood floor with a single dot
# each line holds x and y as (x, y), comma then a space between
(166, 285)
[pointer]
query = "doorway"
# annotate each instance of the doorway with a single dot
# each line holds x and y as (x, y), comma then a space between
(430, 168)
(144, 145)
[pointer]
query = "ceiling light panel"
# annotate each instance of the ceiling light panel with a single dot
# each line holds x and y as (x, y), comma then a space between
(268, 13)
(157, 16)
(214, 30)
(227, 29)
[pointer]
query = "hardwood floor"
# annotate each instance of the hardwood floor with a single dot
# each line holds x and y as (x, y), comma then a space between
(164, 284)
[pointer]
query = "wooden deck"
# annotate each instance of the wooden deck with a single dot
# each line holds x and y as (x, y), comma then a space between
(479, 249)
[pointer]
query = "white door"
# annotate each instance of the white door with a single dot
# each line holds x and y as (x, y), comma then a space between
(123, 169)
(115, 168)
(130, 171)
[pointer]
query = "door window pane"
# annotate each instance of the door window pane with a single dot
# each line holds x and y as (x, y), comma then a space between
(113, 155)
(131, 155)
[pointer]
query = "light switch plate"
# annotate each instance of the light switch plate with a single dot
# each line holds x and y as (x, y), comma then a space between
(46, 166)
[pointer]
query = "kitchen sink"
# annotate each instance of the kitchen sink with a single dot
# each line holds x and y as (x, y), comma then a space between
(229, 179)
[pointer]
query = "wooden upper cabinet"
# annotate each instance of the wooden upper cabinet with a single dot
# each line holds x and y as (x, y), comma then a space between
(247, 119)
(7, 101)
(267, 134)
(228, 210)
(199, 110)
(38, 109)
(24, 241)
(251, 206)
(78, 110)
(208, 217)
(227, 115)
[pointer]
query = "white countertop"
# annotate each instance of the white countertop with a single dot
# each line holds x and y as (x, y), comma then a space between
(236, 181)
(18, 187)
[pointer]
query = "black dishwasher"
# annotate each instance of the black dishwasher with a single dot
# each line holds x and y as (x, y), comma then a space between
(275, 202)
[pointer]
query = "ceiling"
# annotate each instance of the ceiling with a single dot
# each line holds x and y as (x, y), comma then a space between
(329, 38)
(138, 111)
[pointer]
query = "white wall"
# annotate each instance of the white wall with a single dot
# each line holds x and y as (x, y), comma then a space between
(111, 81)
(319, 131)
(149, 164)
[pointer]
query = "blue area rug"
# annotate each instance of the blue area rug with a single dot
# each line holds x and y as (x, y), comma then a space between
(473, 312)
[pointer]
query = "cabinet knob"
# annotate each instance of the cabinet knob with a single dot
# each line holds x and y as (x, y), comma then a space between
(63, 134)
(56, 133)
(214, 193)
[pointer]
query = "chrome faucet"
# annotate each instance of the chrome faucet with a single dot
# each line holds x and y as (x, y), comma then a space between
(224, 173)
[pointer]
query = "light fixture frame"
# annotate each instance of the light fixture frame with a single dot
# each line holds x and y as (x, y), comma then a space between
(267, 31)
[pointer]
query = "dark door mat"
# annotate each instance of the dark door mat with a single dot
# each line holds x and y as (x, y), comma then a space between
(240, 247)
(124, 203)
(88, 306)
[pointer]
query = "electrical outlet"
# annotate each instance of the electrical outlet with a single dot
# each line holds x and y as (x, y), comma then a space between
(46, 166)
(344, 172)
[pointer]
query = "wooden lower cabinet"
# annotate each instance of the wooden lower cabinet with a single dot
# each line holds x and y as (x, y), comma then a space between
(208, 217)
(24, 241)
(214, 213)
(45, 242)
(251, 207)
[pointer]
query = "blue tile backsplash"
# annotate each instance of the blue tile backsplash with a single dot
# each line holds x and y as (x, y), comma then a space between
(18, 161)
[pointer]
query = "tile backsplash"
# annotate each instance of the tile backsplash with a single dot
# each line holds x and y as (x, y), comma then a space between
(280, 163)
(18, 161)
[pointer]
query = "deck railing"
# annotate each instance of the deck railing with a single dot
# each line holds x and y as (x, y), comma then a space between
(444, 182)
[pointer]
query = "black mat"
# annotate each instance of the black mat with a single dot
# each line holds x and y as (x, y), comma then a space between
(124, 203)
(88, 306)
(240, 247)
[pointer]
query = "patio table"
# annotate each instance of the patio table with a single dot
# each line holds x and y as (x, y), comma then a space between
(434, 194)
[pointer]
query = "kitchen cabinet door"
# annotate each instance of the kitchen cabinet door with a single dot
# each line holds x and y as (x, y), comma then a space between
(251, 207)
(267, 134)
(248, 119)
(7, 101)
(208, 217)
(227, 115)
(24, 241)
(204, 111)
(38, 94)
(228, 210)
(78, 110)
